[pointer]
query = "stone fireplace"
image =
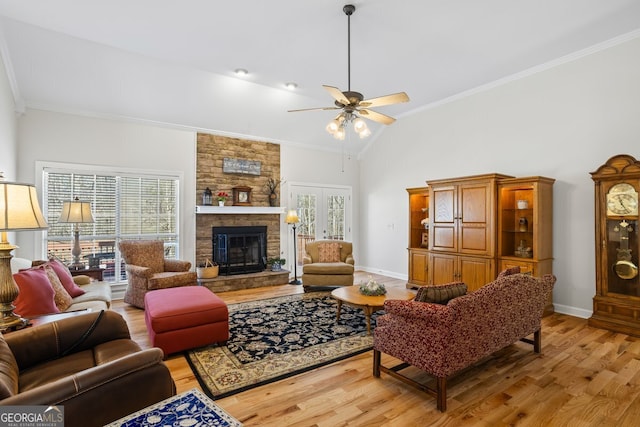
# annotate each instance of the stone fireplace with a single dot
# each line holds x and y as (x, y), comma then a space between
(239, 249)
(211, 152)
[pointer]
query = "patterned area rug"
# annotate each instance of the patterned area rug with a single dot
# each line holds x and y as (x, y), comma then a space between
(276, 338)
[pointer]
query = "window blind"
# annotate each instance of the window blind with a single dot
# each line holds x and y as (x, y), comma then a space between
(124, 206)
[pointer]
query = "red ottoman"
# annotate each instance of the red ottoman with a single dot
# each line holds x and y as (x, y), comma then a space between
(185, 317)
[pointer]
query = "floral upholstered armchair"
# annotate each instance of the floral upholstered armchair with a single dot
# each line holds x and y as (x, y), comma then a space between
(444, 338)
(328, 263)
(148, 269)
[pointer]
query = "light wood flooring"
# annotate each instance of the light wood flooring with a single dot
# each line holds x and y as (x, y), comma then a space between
(584, 377)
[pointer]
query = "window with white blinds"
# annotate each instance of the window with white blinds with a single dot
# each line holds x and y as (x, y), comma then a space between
(124, 206)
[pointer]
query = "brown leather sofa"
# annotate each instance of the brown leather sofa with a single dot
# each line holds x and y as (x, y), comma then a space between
(328, 263)
(88, 364)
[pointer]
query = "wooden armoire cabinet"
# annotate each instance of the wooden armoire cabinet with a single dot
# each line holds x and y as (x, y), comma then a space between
(418, 236)
(478, 226)
(525, 224)
(462, 230)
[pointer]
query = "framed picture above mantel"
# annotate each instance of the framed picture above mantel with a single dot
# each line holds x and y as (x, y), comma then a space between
(241, 166)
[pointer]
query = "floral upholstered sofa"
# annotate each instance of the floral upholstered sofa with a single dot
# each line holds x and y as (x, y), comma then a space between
(443, 339)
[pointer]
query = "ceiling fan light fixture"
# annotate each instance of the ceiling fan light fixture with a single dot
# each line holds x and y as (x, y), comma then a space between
(364, 133)
(339, 134)
(332, 126)
(359, 125)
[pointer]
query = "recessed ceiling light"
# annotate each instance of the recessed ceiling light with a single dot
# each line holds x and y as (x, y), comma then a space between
(291, 86)
(241, 72)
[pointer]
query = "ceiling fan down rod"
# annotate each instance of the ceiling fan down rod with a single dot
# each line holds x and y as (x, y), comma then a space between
(348, 10)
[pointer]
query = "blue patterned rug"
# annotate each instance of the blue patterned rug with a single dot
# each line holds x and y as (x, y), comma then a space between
(190, 408)
(276, 338)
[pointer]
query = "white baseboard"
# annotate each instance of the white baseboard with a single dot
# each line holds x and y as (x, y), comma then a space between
(572, 311)
(382, 272)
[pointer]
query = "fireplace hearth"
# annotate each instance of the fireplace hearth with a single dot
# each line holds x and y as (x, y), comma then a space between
(239, 249)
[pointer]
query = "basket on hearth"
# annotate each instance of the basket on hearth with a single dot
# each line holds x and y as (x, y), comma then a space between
(207, 270)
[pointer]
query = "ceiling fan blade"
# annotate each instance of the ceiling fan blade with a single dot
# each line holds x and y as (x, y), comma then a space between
(377, 117)
(314, 109)
(395, 98)
(336, 94)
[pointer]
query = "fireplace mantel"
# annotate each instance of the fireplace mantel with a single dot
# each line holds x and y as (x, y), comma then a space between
(221, 210)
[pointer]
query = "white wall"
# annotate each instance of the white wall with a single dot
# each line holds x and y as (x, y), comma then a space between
(562, 123)
(57, 137)
(8, 127)
(8, 134)
(65, 138)
(302, 166)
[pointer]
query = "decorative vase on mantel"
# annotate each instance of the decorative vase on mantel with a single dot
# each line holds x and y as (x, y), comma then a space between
(273, 199)
(220, 202)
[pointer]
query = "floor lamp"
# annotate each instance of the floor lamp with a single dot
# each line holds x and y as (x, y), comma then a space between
(76, 212)
(292, 218)
(19, 210)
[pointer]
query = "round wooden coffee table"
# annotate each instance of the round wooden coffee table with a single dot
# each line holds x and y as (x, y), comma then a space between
(369, 304)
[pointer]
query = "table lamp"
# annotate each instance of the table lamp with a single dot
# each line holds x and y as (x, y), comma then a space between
(292, 218)
(76, 212)
(19, 210)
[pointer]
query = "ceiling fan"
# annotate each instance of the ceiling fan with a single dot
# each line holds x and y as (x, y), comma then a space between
(353, 105)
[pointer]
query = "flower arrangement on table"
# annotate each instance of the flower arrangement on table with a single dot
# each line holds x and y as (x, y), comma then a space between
(222, 196)
(372, 288)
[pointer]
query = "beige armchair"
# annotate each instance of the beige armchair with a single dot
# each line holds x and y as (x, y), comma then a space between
(328, 263)
(148, 269)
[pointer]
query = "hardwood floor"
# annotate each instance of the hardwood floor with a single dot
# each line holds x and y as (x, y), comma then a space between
(584, 377)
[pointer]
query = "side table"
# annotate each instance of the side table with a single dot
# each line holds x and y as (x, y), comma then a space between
(94, 273)
(48, 318)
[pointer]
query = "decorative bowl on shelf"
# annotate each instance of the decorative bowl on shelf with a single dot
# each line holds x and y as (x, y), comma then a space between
(524, 252)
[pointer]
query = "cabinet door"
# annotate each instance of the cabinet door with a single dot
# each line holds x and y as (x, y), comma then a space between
(474, 218)
(418, 267)
(443, 268)
(475, 272)
(525, 267)
(443, 208)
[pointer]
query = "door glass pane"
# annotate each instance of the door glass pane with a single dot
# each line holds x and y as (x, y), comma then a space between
(306, 206)
(335, 217)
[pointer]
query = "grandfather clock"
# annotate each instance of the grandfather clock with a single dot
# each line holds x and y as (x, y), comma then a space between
(616, 305)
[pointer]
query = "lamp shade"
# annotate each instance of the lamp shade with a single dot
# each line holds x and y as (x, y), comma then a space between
(76, 212)
(292, 217)
(19, 207)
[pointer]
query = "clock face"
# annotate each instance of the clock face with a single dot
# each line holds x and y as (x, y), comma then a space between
(622, 200)
(243, 197)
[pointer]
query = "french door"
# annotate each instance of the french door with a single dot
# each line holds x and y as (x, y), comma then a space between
(324, 212)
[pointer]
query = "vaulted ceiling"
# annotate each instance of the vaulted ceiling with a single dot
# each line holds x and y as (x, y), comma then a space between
(172, 62)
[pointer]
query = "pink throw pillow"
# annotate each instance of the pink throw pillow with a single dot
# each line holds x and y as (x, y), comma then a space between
(36, 293)
(66, 278)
